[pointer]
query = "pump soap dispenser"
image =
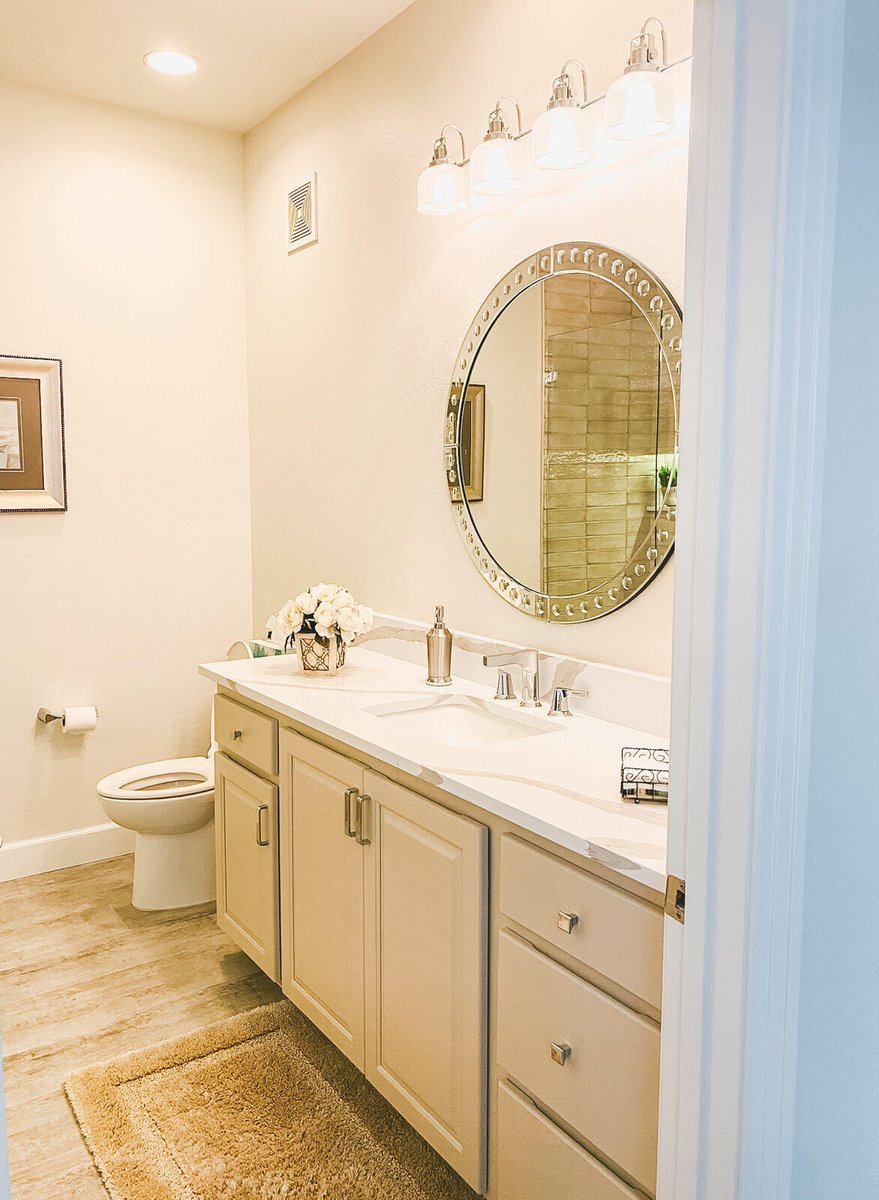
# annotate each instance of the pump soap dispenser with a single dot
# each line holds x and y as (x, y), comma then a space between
(439, 652)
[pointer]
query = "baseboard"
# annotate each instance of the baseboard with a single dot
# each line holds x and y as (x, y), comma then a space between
(37, 855)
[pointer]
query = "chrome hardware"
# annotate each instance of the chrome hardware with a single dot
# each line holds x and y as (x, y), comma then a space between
(350, 818)
(528, 661)
(676, 898)
(364, 820)
(559, 1052)
(504, 686)
(567, 921)
(261, 838)
(236, 734)
(47, 716)
(560, 706)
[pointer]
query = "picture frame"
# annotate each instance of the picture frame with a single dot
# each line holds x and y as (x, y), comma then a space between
(472, 442)
(33, 468)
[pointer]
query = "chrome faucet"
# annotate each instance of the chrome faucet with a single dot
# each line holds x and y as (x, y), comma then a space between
(529, 663)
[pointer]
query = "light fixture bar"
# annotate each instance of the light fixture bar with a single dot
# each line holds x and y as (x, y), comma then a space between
(589, 103)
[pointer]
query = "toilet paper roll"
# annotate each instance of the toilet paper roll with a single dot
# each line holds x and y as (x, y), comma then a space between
(82, 718)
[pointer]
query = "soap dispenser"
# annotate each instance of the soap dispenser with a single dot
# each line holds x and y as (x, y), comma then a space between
(439, 652)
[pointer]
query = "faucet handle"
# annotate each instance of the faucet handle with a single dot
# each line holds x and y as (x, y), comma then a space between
(560, 706)
(504, 685)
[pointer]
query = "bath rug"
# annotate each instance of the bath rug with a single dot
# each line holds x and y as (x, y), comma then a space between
(257, 1107)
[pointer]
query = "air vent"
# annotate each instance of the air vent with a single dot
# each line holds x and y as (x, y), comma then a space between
(302, 215)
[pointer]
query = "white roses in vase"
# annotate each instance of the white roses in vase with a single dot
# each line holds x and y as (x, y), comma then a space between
(326, 610)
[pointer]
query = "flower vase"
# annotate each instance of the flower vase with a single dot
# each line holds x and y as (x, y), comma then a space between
(319, 656)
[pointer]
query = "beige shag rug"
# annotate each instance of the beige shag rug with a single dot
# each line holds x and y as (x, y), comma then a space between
(257, 1107)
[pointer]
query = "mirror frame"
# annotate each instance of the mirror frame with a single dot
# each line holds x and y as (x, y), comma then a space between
(663, 315)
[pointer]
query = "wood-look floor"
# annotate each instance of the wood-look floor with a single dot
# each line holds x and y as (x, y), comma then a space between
(85, 977)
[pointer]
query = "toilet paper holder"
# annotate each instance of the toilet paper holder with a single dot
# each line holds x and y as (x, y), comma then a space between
(47, 716)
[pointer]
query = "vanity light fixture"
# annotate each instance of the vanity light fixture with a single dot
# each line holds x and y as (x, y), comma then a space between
(171, 62)
(442, 185)
(641, 103)
(498, 164)
(559, 138)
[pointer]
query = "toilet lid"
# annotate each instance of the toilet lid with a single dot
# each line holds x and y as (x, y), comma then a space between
(160, 780)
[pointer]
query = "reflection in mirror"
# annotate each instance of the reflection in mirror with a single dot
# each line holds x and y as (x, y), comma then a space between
(567, 438)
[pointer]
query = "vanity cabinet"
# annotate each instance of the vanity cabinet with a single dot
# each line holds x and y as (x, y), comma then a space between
(510, 1015)
(246, 817)
(322, 891)
(384, 926)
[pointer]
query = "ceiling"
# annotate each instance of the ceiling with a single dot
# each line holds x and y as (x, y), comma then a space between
(254, 54)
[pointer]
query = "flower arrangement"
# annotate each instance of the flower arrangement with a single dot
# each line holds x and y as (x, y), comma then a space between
(324, 612)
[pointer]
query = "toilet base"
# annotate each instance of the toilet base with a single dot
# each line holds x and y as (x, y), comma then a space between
(174, 870)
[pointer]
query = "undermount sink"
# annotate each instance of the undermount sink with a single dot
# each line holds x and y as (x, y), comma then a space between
(462, 721)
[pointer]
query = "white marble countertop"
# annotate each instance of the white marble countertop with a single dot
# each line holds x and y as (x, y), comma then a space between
(562, 785)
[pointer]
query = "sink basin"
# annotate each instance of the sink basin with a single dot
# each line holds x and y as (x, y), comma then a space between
(462, 721)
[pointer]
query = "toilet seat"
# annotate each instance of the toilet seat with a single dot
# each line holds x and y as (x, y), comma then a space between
(162, 780)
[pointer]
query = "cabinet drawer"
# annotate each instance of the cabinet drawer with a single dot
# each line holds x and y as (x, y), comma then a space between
(608, 1087)
(246, 734)
(537, 1160)
(615, 933)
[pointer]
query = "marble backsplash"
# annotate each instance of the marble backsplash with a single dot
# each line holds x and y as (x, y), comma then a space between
(615, 694)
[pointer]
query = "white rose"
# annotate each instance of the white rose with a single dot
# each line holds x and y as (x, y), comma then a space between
(325, 618)
(324, 592)
(306, 601)
(342, 598)
(290, 616)
(351, 623)
(367, 616)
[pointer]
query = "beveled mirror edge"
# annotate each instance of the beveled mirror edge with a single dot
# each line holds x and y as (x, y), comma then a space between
(664, 316)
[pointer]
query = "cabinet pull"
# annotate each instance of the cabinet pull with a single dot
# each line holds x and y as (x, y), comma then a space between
(559, 1052)
(364, 820)
(236, 734)
(261, 838)
(350, 826)
(567, 921)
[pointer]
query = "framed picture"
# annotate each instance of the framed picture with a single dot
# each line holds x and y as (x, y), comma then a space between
(33, 475)
(472, 441)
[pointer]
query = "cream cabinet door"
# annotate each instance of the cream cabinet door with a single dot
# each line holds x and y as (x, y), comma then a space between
(246, 813)
(426, 974)
(322, 890)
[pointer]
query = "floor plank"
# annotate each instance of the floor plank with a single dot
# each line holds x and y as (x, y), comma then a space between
(85, 977)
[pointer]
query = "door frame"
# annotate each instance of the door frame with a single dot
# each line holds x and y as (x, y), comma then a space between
(761, 206)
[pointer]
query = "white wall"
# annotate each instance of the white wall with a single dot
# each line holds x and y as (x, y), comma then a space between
(122, 255)
(351, 342)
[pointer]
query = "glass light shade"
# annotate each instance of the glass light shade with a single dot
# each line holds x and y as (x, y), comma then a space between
(638, 105)
(442, 190)
(498, 167)
(559, 139)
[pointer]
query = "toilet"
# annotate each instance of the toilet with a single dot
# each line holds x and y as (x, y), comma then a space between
(170, 807)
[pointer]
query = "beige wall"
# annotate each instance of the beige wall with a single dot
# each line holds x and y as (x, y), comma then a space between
(351, 342)
(122, 255)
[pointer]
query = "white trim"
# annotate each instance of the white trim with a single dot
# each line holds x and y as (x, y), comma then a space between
(759, 244)
(58, 850)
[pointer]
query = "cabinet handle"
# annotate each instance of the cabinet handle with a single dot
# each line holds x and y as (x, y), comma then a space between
(567, 921)
(350, 827)
(236, 734)
(261, 838)
(364, 820)
(559, 1052)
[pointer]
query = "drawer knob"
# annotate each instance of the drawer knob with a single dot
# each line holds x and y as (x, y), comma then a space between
(236, 734)
(559, 1052)
(567, 921)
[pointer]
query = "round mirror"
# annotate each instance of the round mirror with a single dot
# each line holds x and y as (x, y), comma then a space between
(561, 433)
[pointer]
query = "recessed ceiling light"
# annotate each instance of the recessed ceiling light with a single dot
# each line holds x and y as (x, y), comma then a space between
(171, 62)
